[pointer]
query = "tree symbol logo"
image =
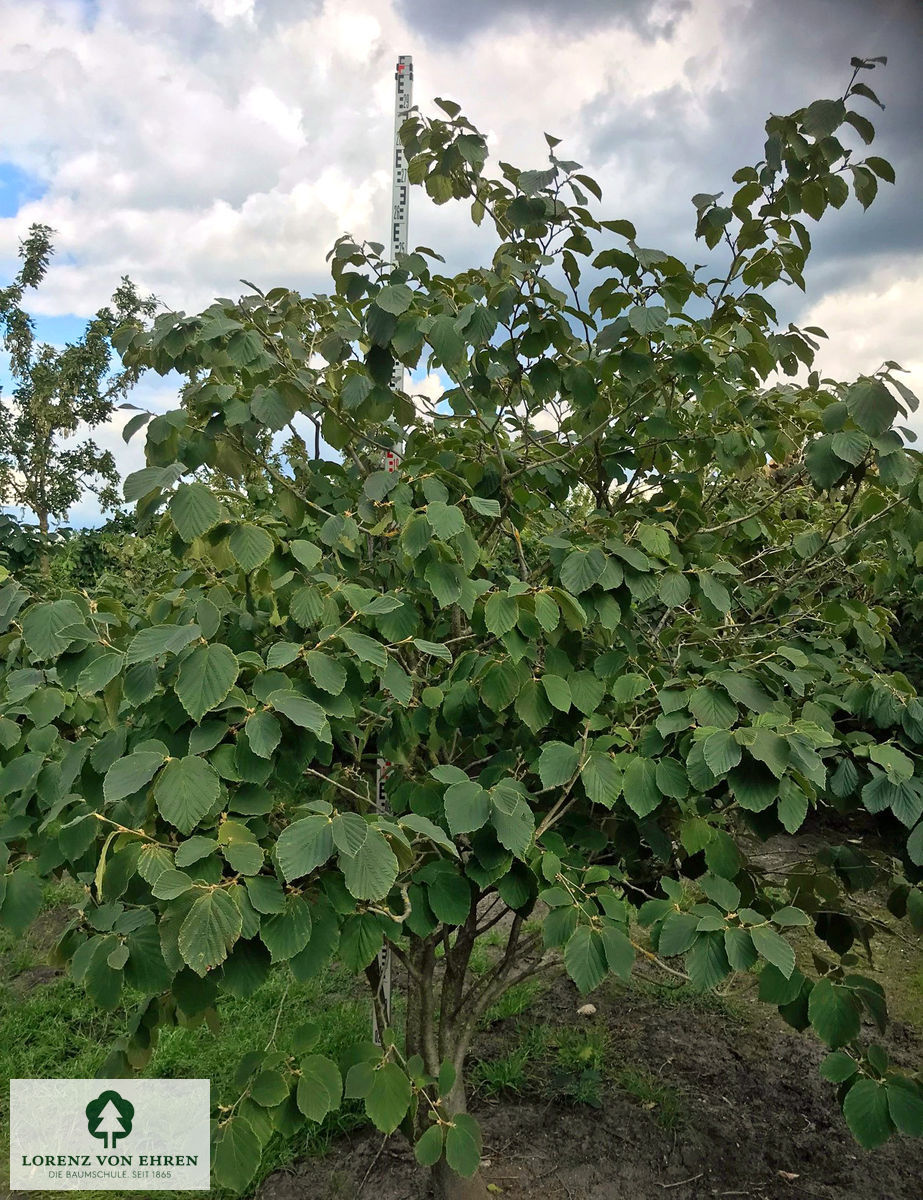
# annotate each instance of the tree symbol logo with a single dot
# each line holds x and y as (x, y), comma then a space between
(109, 1117)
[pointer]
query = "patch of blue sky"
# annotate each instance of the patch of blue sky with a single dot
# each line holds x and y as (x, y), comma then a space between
(17, 187)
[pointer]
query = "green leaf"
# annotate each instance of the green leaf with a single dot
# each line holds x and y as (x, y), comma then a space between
(463, 1145)
(250, 546)
(557, 764)
(263, 733)
(306, 553)
(721, 752)
(394, 298)
(128, 775)
(639, 786)
(620, 954)
(602, 778)
(867, 1112)
(326, 672)
(671, 779)
(585, 958)
(838, 1066)
(449, 896)
(834, 1013)
(707, 962)
(185, 791)
(366, 649)
(674, 589)
(22, 901)
(205, 678)
(714, 591)
(428, 1149)
(546, 612)
(269, 1088)
(581, 569)
(369, 874)
(360, 940)
(905, 1105)
(871, 406)
(289, 931)
(790, 916)
(210, 929)
(302, 712)
(349, 832)
(557, 691)
(753, 786)
(194, 510)
(237, 1154)
(770, 748)
(304, 846)
(389, 1097)
(851, 446)
(102, 670)
(824, 466)
(532, 706)
(677, 933)
(467, 807)
(774, 948)
(487, 508)
(501, 613)
(157, 640)
(42, 626)
(447, 520)
(738, 945)
(320, 1087)
(711, 706)
(721, 891)
(793, 806)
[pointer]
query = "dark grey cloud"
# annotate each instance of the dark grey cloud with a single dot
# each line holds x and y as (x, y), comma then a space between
(781, 57)
(457, 20)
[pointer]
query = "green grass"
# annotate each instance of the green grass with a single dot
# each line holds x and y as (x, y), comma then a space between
(51, 1029)
(664, 1101)
(514, 1001)
(573, 1065)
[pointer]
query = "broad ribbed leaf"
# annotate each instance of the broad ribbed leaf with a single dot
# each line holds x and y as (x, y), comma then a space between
(205, 678)
(194, 510)
(304, 846)
(320, 1087)
(581, 569)
(834, 1013)
(289, 931)
(326, 672)
(369, 874)
(210, 929)
(388, 1098)
(128, 775)
(585, 958)
(250, 546)
(185, 791)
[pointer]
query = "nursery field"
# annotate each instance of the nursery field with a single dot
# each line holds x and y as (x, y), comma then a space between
(586, 694)
(661, 1091)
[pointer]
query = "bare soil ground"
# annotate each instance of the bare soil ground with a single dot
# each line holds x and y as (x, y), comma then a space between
(751, 1117)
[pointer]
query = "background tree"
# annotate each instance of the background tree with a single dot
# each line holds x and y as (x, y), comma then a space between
(593, 706)
(42, 467)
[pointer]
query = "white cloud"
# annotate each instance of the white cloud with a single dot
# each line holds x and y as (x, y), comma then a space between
(192, 143)
(874, 321)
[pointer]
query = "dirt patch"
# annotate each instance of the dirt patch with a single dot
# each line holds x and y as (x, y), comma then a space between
(45, 931)
(32, 977)
(752, 1118)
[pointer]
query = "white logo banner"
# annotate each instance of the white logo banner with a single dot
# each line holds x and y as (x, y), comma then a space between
(115, 1135)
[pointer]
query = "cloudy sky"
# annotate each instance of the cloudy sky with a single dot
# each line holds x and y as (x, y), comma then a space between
(192, 143)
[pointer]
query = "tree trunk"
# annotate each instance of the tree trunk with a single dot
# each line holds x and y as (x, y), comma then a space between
(449, 1186)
